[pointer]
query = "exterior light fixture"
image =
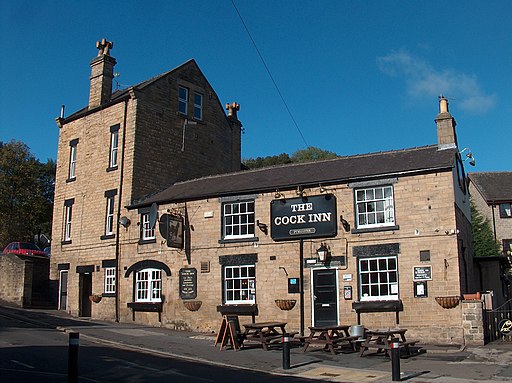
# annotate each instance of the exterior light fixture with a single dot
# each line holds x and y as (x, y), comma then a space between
(262, 226)
(278, 194)
(323, 252)
(124, 221)
(469, 156)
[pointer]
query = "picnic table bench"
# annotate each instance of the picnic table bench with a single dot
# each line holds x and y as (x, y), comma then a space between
(266, 332)
(382, 340)
(330, 336)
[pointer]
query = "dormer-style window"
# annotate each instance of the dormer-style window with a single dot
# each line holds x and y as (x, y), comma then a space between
(198, 106)
(183, 100)
(72, 159)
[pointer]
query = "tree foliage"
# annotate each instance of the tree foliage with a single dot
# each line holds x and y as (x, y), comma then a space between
(26, 193)
(483, 237)
(304, 155)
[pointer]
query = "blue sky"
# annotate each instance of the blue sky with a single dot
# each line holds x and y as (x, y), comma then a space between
(357, 76)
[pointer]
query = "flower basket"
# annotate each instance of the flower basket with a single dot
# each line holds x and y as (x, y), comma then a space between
(192, 305)
(95, 298)
(448, 302)
(285, 304)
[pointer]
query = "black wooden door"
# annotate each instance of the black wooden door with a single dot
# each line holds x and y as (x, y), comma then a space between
(325, 297)
(85, 292)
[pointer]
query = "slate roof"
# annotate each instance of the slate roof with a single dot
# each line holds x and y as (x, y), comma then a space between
(341, 169)
(120, 95)
(493, 186)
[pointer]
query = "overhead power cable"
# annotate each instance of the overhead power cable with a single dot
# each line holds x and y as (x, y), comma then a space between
(270, 74)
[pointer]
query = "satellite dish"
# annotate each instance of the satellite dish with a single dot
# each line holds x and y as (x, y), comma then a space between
(153, 215)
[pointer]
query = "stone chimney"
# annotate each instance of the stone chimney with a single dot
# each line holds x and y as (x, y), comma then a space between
(446, 135)
(236, 135)
(102, 73)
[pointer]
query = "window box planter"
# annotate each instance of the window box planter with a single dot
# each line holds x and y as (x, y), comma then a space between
(448, 302)
(472, 297)
(192, 305)
(285, 304)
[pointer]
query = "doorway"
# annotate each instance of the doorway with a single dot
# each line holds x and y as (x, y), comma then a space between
(63, 290)
(325, 297)
(85, 288)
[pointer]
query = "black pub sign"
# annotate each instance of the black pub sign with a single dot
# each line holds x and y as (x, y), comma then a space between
(304, 217)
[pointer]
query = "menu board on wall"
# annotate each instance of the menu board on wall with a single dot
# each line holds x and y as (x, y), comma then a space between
(188, 283)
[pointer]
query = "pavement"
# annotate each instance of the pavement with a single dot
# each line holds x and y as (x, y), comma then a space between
(434, 364)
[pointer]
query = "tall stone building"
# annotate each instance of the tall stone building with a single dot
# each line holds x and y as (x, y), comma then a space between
(159, 226)
(122, 146)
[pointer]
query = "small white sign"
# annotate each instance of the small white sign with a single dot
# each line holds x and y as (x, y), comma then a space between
(347, 277)
(208, 214)
(394, 288)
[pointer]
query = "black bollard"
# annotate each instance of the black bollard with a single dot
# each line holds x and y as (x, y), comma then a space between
(286, 352)
(73, 357)
(395, 361)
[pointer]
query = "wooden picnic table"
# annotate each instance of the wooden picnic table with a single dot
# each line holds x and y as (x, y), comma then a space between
(330, 337)
(382, 339)
(266, 332)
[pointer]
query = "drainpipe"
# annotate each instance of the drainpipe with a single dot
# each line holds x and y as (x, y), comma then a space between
(493, 221)
(119, 206)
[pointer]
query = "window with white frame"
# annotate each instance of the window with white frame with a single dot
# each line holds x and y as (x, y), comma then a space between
(148, 285)
(505, 210)
(110, 280)
(114, 146)
(182, 100)
(238, 219)
(375, 207)
(72, 159)
(240, 284)
(109, 219)
(378, 278)
(198, 106)
(68, 214)
(147, 233)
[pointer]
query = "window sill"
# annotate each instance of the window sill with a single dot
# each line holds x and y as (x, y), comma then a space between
(146, 241)
(108, 236)
(375, 229)
(108, 295)
(146, 306)
(71, 180)
(113, 168)
(377, 306)
(238, 240)
(68, 242)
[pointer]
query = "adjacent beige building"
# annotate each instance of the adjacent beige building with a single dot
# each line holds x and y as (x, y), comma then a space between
(380, 239)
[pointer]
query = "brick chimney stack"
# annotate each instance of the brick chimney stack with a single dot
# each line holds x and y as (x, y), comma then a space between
(102, 74)
(236, 134)
(446, 135)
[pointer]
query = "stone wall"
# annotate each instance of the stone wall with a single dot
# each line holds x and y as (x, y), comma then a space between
(473, 322)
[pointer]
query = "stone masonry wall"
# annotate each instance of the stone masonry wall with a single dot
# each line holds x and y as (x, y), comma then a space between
(473, 322)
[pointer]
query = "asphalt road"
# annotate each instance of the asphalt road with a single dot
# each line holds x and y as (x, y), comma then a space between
(31, 353)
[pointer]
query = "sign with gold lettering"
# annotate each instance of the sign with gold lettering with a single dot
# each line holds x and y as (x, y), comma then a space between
(304, 217)
(188, 283)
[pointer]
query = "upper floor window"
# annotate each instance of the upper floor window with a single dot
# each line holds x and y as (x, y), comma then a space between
(239, 284)
(378, 278)
(114, 146)
(147, 233)
(238, 219)
(148, 285)
(183, 100)
(375, 207)
(198, 106)
(110, 280)
(110, 207)
(505, 210)
(68, 215)
(72, 159)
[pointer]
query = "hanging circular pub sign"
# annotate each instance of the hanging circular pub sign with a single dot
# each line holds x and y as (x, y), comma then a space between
(304, 217)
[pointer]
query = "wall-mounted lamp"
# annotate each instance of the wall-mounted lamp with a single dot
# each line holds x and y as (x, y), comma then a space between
(323, 189)
(345, 224)
(124, 221)
(262, 226)
(469, 156)
(300, 191)
(323, 252)
(278, 194)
